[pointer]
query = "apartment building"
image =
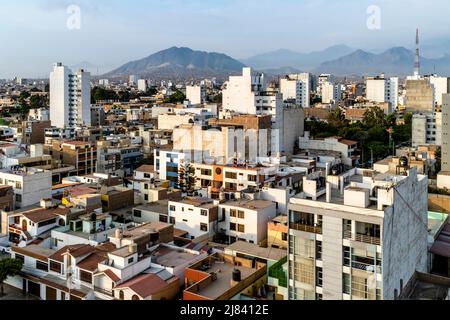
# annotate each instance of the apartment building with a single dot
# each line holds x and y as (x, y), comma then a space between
(196, 94)
(420, 96)
(362, 236)
(246, 220)
(427, 129)
(80, 154)
(331, 93)
(296, 87)
(382, 89)
(30, 185)
(70, 97)
(197, 216)
(33, 132)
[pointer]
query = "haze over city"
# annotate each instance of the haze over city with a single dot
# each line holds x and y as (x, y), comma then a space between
(114, 32)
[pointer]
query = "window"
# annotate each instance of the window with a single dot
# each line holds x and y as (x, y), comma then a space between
(172, 220)
(241, 214)
(41, 266)
(233, 226)
(146, 197)
(319, 277)
(121, 295)
(18, 198)
(206, 172)
(204, 213)
(163, 218)
(284, 236)
(233, 213)
(346, 283)
(55, 267)
(204, 227)
(18, 185)
(347, 256)
(85, 276)
(137, 213)
(241, 228)
(131, 260)
(319, 250)
(251, 178)
(46, 223)
(20, 257)
(146, 186)
(135, 298)
(172, 208)
(231, 175)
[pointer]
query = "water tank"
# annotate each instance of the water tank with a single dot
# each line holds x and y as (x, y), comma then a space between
(237, 276)
(403, 161)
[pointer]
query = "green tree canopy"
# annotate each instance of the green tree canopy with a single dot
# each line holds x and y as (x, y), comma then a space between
(8, 268)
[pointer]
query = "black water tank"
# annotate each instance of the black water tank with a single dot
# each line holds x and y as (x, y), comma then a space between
(237, 275)
(403, 161)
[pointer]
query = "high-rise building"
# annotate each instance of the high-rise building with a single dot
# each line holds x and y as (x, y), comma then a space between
(419, 95)
(440, 86)
(359, 235)
(296, 87)
(70, 97)
(381, 89)
(446, 133)
(142, 85)
(427, 129)
(331, 93)
(196, 94)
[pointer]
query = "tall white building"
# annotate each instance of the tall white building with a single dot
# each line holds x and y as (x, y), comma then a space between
(70, 97)
(142, 85)
(440, 87)
(360, 235)
(331, 93)
(196, 94)
(381, 89)
(296, 87)
(446, 133)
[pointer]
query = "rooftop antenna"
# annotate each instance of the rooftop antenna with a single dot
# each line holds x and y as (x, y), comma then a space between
(417, 60)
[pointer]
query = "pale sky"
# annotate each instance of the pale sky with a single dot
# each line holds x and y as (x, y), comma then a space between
(34, 33)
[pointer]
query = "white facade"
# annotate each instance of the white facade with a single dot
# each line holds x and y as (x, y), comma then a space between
(196, 94)
(440, 86)
(246, 220)
(383, 90)
(364, 244)
(30, 185)
(142, 85)
(70, 97)
(331, 93)
(446, 133)
(297, 87)
(427, 129)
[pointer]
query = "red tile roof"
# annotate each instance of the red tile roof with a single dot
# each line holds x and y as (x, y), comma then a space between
(145, 285)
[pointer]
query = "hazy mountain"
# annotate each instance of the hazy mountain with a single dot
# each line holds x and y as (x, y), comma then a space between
(280, 71)
(395, 61)
(180, 63)
(305, 61)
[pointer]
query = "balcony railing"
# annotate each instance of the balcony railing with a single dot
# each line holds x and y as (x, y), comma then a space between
(306, 228)
(104, 291)
(362, 238)
(366, 267)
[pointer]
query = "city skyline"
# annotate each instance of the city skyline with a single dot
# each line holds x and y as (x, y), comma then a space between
(112, 33)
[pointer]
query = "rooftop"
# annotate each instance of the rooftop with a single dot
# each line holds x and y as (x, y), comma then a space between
(254, 250)
(172, 257)
(250, 204)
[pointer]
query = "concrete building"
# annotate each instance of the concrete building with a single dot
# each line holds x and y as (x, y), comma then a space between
(142, 85)
(345, 147)
(420, 96)
(70, 97)
(242, 220)
(363, 237)
(33, 132)
(196, 94)
(440, 86)
(446, 133)
(427, 129)
(30, 185)
(331, 93)
(296, 87)
(381, 89)
(197, 216)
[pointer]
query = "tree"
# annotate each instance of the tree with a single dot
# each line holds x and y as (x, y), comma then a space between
(177, 97)
(373, 117)
(8, 268)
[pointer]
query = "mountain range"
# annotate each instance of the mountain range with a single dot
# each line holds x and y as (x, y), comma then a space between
(184, 63)
(180, 63)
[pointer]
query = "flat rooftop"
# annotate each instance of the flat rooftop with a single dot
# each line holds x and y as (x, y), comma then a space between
(224, 272)
(158, 206)
(254, 250)
(251, 204)
(171, 257)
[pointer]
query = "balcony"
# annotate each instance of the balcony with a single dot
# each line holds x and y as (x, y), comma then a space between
(362, 238)
(366, 267)
(306, 228)
(109, 293)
